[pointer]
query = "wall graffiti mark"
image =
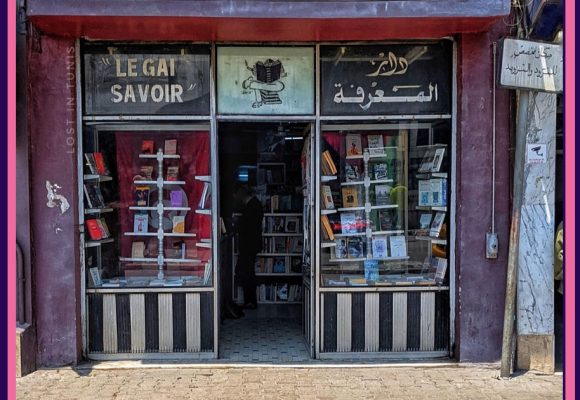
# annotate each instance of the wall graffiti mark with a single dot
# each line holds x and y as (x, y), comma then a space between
(55, 199)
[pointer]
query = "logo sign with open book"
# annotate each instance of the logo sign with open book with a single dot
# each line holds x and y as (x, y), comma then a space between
(265, 80)
(386, 79)
(146, 80)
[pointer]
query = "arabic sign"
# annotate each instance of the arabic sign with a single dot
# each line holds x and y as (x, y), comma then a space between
(265, 80)
(386, 79)
(159, 80)
(531, 65)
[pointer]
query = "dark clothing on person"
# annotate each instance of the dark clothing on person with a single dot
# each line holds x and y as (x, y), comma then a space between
(249, 230)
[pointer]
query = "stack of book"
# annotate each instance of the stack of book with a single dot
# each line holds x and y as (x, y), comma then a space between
(327, 165)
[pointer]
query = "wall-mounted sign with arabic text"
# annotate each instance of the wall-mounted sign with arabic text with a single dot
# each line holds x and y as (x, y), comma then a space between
(531, 65)
(386, 79)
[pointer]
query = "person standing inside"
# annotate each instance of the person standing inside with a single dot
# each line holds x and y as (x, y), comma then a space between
(249, 230)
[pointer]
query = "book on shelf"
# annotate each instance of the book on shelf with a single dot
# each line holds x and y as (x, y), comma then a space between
(91, 163)
(282, 292)
(376, 146)
(94, 196)
(138, 249)
(95, 274)
(380, 171)
(276, 224)
(279, 266)
(173, 173)
(148, 147)
(349, 196)
(382, 195)
(352, 173)
(178, 222)
(295, 244)
(353, 144)
(140, 223)
(292, 224)
(348, 222)
(438, 192)
(141, 195)
(327, 229)
(437, 159)
(100, 164)
(437, 224)
(424, 224)
(104, 228)
(386, 220)
(296, 265)
(274, 203)
(427, 161)
(440, 266)
(176, 198)
(205, 195)
(371, 268)
(424, 193)
(207, 274)
(285, 202)
(355, 247)
(328, 166)
(398, 245)
(327, 197)
(380, 250)
(341, 249)
(179, 249)
(170, 146)
(146, 172)
(95, 232)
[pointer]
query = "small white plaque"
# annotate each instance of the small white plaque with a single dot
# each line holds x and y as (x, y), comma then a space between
(536, 153)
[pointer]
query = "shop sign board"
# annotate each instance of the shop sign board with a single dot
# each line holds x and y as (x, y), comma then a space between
(390, 79)
(531, 65)
(265, 80)
(135, 80)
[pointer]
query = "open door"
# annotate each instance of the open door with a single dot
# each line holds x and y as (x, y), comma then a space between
(309, 273)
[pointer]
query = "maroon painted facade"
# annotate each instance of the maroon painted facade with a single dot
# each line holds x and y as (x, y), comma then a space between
(480, 282)
(55, 235)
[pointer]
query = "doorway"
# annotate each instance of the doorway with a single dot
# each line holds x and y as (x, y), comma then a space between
(265, 158)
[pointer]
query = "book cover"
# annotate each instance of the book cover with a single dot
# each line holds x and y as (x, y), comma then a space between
(141, 195)
(376, 146)
(348, 222)
(280, 244)
(291, 225)
(427, 161)
(327, 231)
(349, 196)
(178, 224)
(205, 193)
(176, 198)
(140, 223)
(440, 265)
(94, 196)
(94, 229)
(277, 224)
(355, 247)
(437, 224)
(100, 164)
(282, 292)
(138, 249)
(438, 192)
(424, 224)
(207, 274)
(341, 250)
(379, 244)
(148, 147)
(146, 172)
(279, 266)
(327, 197)
(353, 144)
(371, 268)
(104, 228)
(425, 196)
(386, 222)
(437, 160)
(173, 173)
(296, 265)
(380, 171)
(328, 163)
(170, 147)
(352, 173)
(95, 276)
(398, 246)
(90, 158)
(382, 195)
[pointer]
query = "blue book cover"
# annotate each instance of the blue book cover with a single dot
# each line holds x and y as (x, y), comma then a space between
(371, 270)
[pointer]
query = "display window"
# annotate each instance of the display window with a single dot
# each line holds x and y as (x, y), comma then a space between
(147, 206)
(384, 204)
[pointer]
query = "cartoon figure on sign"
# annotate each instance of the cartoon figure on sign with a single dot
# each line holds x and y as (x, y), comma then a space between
(265, 82)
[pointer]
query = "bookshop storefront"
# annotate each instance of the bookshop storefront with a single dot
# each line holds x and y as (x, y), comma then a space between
(352, 149)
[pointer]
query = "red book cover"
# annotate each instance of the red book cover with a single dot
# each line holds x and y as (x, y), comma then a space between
(100, 162)
(94, 229)
(148, 147)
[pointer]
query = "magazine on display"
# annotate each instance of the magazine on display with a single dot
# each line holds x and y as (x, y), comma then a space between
(371, 270)
(148, 147)
(437, 224)
(398, 246)
(178, 224)
(90, 158)
(170, 146)
(437, 160)
(353, 145)
(327, 197)
(376, 146)
(352, 173)
(341, 249)
(94, 229)
(380, 171)
(348, 222)
(349, 197)
(355, 247)
(379, 244)
(382, 195)
(140, 223)
(424, 193)
(138, 249)
(141, 196)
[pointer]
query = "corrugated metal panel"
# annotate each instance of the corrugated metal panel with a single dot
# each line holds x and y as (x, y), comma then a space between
(109, 323)
(179, 323)
(95, 323)
(413, 321)
(329, 301)
(386, 321)
(343, 318)
(399, 321)
(123, 323)
(442, 321)
(427, 321)
(193, 322)
(165, 322)
(151, 322)
(206, 307)
(371, 322)
(137, 304)
(358, 322)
